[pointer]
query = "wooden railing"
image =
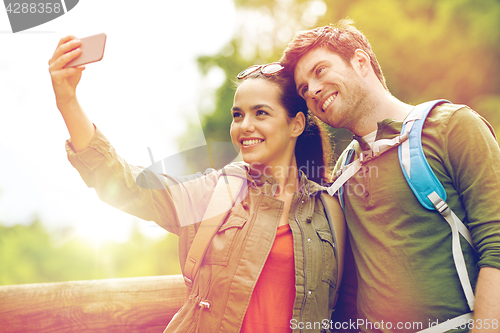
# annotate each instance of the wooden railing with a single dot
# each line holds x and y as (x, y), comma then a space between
(129, 305)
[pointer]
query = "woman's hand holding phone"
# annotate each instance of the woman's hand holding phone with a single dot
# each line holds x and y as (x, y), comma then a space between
(66, 64)
(64, 81)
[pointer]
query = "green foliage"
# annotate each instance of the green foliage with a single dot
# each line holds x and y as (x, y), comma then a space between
(28, 254)
(427, 49)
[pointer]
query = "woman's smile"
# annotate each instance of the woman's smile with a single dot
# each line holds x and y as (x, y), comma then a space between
(250, 143)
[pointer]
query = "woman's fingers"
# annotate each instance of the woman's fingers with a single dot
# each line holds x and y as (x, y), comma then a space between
(64, 45)
(66, 50)
(63, 60)
(65, 80)
(58, 76)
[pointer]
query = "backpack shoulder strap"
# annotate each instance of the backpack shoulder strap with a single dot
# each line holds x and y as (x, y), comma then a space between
(342, 171)
(416, 169)
(346, 158)
(429, 190)
(226, 191)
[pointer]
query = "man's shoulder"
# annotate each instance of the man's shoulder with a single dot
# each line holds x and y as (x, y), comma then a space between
(460, 112)
(443, 112)
(452, 115)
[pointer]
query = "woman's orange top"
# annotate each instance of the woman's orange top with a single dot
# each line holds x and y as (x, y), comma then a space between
(271, 306)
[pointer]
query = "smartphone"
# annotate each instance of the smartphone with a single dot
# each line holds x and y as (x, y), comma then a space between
(92, 50)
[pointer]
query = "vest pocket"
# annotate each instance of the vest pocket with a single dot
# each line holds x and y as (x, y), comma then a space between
(330, 269)
(222, 243)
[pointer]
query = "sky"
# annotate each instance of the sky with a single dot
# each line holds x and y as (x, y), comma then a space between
(142, 94)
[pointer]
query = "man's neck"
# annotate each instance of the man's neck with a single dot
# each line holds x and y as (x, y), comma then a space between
(382, 107)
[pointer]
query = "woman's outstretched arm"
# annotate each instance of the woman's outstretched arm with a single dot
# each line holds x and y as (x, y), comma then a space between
(171, 202)
(64, 82)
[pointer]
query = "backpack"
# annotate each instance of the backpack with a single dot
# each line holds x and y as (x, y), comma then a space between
(424, 184)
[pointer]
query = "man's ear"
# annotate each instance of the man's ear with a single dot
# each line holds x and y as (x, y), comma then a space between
(361, 62)
(299, 123)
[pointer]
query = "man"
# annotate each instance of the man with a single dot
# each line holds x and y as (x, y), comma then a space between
(407, 279)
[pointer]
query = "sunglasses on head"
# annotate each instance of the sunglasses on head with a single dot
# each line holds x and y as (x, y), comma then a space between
(268, 70)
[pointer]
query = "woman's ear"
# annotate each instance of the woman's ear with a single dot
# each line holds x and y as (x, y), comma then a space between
(298, 124)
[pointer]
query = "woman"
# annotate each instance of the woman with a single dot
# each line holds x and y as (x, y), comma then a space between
(274, 264)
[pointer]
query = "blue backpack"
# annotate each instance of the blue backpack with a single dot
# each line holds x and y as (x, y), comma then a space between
(424, 184)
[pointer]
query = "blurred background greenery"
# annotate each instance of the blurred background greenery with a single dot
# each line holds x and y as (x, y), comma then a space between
(30, 254)
(427, 49)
